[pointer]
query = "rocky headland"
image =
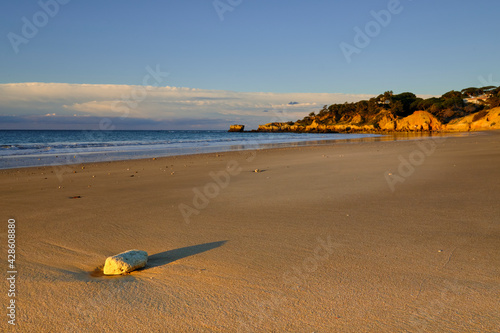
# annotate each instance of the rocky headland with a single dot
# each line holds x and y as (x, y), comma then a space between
(471, 109)
(419, 121)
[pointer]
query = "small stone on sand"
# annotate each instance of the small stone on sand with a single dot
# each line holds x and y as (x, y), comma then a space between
(125, 262)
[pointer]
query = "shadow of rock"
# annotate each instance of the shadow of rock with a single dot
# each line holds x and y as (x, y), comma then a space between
(164, 258)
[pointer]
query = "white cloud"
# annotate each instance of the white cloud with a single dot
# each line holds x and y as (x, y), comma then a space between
(98, 107)
(161, 103)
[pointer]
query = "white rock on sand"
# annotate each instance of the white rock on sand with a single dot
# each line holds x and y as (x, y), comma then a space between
(125, 262)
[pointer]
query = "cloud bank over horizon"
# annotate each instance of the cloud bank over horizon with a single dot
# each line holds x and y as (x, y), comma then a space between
(36, 105)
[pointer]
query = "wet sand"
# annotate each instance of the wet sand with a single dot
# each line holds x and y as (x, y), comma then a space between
(368, 237)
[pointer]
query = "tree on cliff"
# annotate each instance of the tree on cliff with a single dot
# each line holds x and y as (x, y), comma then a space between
(362, 107)
(397, 108)
(404, 103)
(494, 99)
(387, 97)
(472, 92)
(488, 89)
(323, 111)
(453, 94)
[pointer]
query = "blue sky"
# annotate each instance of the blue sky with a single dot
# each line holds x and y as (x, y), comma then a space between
(287, 49)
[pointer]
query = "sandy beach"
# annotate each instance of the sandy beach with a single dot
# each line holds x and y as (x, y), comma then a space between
(393, 236)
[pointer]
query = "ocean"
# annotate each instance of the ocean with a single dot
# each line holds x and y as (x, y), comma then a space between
(24, 148)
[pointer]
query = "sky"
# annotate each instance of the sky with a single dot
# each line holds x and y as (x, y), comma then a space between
(205, 64)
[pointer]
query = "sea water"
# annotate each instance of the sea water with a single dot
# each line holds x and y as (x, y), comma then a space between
(23, 148)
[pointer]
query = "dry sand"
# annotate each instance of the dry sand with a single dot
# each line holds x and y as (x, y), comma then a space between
(316, 242)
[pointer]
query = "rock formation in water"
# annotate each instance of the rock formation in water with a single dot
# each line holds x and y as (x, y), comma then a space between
(236, 128)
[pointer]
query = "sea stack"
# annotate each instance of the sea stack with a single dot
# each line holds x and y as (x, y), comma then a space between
(125, 262)
(236, 128)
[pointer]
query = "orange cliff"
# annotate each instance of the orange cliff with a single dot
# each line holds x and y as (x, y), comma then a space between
(419, 121)
(480, 121)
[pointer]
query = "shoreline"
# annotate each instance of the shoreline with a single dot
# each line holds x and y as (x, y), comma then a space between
(66, 159)
(113, 146)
